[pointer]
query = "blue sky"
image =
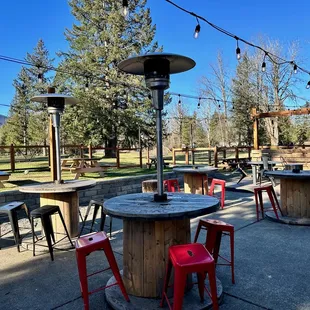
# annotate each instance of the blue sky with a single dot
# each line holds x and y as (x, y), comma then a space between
(23, 23)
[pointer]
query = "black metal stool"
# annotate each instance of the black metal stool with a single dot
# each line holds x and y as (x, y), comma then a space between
(44, 213)
(10, 210)
(98, 205)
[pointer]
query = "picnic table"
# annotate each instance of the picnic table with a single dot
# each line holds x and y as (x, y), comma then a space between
(3, 176)
(79, 166)
(235, 163)
(154, 162)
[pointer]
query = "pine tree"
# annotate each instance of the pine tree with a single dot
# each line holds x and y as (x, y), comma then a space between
(110, 112)
(27, 122)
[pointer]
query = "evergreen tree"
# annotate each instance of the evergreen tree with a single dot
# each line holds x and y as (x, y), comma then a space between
(111, 110)
(27, 121)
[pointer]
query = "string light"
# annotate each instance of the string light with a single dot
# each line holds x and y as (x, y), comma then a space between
(308, 85)
(198, 106)
(272, 57)
(197, 29)
(86, 86)
(264, 63)
(295, 68)
(125, 8)
(179, 103)
(238, 51)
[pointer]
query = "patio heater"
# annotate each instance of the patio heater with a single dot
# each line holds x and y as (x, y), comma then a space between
(156, 69)
(55, 106)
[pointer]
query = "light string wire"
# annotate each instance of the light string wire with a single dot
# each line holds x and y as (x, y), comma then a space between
(271, 56)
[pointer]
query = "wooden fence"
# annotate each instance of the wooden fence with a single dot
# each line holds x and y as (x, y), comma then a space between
(215, 155)
(31, 152)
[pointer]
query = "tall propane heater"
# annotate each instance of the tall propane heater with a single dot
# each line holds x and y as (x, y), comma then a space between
(55, 106)
(157, 68)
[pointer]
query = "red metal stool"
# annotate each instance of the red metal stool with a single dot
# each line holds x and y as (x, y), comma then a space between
(222, 183)
(86, 245)
(215, 229)
(172, 185)
(258, 191)
(185, 259)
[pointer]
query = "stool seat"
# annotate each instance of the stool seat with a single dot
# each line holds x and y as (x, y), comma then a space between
(192, 256)
(172, 185)
(220, 224)
(89, 242)
(14, 205)
(44, 210)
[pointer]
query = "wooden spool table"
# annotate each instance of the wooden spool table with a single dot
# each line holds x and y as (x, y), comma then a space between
(65, 196)
(294, 192)
(150, 228)
(196, 179)
(149, 186)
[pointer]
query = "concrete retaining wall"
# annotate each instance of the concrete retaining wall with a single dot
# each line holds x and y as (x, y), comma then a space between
(103, 190)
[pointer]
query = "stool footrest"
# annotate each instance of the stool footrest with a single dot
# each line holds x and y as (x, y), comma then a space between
(101, 288)
(92, 274)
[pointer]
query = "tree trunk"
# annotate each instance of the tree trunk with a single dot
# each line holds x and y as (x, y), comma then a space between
(111, 143)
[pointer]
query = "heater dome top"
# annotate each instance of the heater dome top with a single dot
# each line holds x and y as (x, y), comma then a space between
(177, 63)
(44, 98)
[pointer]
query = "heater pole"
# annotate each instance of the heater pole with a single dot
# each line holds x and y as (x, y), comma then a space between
(160, 174)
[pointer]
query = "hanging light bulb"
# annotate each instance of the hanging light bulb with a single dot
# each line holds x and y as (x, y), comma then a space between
(264, 64)
(308, 85)
(295, 68)
(198, 106)
(125, 8)
(179, 103)
(40, 78)
(86, 86)
(238, 51)
(197, 29)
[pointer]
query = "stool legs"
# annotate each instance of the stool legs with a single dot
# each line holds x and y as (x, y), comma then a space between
(166, 282)
(213, 290)
(65, 227)
(112, 262)
(179, 288)
(14, 224)
(232, 254)
(82, 268)
(46, 223)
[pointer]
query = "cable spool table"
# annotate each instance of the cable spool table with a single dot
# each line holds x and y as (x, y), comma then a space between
(64, 195)
(149, 229)
(196, 179)
(294, 192)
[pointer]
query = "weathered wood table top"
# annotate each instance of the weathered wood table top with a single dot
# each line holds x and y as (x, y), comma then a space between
(142, 206)
(200, 170)
(51, 187)
(288, 174)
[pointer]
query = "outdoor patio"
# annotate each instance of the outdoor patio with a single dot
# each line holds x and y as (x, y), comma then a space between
(271, 265)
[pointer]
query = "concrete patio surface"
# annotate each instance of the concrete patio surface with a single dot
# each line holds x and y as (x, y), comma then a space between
(271, 265)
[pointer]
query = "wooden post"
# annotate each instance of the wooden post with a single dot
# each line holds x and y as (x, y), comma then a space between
(81, 151)
(209, 157)
(173, 156)
(140, 154)
(186, 156)
(237, 153)
(117, 159)
(215, 156)
(52, 152)
(12, 157)
(90, 151)
(148, 155)
(255, 130)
